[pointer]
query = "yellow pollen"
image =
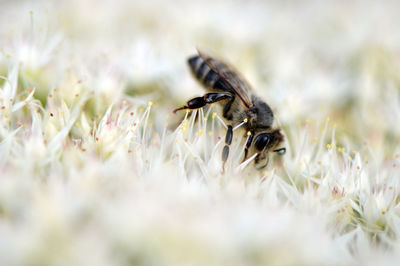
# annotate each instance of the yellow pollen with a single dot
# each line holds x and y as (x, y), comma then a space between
(150, 103)
(354, 151)
(245, 120)
(200, 132)
(334, 125)
(167, 116)
(328, 118)
(307, 121)
(248, 133)
(349, 157)
(214, 115)
(205, 118)
(284, 164)
(210, 133)
(334, 146)
(319, 162)
(328, 145)
(315, 139)
(124, 101)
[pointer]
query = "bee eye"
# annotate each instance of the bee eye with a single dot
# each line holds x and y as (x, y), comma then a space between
(261, 141)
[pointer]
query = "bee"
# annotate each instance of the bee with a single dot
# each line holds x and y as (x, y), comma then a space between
(225, 86)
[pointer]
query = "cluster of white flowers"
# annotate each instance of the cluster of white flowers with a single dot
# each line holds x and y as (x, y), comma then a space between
(96, 170)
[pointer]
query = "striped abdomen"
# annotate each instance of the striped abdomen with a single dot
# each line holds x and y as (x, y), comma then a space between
(206, 75)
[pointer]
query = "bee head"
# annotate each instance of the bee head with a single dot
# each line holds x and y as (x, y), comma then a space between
(266, 142)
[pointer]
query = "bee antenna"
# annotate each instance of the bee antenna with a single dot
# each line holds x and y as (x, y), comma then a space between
(281, 151)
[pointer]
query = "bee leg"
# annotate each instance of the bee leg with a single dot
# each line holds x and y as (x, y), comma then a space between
(208, 98)
(225, 151)
(227, 108)
(248, 143)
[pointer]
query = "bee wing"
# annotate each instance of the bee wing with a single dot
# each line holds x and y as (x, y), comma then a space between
(236, 83)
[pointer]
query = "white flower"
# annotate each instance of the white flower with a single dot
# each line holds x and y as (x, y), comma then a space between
(93, 160)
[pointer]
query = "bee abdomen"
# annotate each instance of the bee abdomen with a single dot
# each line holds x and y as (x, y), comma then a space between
(206, 75)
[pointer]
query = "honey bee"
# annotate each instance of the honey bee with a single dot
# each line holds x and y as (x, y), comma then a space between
(225, 86)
